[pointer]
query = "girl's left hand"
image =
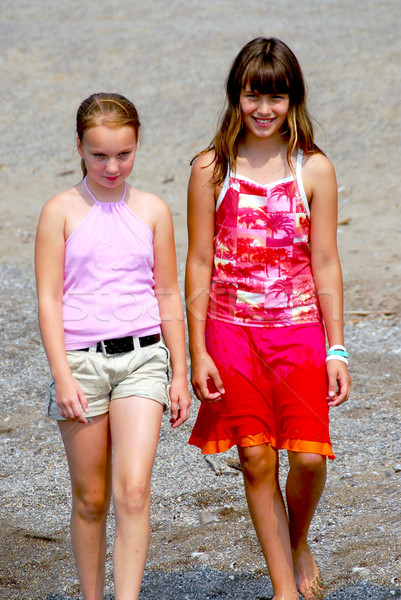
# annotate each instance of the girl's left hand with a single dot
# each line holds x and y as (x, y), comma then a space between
(339, 382)
(180, 401)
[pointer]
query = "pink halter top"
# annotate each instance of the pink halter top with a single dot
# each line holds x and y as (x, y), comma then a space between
(108, 277)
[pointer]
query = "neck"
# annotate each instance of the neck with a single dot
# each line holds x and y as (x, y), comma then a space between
(103, 194)
(271, 145)
(258, 151)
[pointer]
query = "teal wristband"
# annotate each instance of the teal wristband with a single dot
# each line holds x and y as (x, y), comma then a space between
(343, 353)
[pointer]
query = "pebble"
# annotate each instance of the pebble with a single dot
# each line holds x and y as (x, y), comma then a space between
(206, 517)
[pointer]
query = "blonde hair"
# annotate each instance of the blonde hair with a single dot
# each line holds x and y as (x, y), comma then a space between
(268, 66)
(112, 110)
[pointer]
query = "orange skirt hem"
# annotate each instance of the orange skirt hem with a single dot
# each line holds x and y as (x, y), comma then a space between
(216, 446)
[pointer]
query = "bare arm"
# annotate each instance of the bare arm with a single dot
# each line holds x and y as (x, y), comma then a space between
(326, 267)
(49, 267)
(171, 312)
(201, 218)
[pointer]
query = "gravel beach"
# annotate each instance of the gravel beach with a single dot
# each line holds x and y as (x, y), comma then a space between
(171, 58)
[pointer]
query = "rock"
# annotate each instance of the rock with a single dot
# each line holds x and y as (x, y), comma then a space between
(206, 517)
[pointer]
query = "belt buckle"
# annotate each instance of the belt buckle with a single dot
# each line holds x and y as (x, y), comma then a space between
(117, 346)
(112, 351)
(104, 349)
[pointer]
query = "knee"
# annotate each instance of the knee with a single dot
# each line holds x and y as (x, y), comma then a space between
(91, 506)
(259, 464)
(132, 499)
(308, 465)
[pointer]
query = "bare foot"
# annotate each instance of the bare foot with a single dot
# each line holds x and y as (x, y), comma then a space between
(307, 575)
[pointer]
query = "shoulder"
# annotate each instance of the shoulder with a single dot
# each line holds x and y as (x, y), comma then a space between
(54, 218)
(59, 205)
(148, 199)
(149, 207)
(204, 159)
(315, 168)
(61, 199)
(320, 184)
(201, 180)
(203, 165)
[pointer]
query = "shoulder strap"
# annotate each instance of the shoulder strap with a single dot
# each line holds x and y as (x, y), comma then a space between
(224, 188)
(300, 154)
(299, 181)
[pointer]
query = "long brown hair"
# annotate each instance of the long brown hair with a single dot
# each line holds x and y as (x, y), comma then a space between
(268, 66)
(112, 110)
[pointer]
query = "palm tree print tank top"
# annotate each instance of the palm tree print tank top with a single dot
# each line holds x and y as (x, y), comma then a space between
(262, 272)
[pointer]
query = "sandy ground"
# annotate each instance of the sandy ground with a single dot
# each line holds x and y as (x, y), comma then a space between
(171, 58)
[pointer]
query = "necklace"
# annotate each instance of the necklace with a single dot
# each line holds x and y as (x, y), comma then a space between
(96, 200)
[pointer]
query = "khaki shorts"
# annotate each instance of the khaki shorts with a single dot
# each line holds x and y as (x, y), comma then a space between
(142, 372)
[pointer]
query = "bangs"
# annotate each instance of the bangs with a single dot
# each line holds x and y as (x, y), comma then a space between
(264, 77)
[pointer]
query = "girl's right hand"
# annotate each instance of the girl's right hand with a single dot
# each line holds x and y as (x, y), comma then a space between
(70, 399)
(206, 381)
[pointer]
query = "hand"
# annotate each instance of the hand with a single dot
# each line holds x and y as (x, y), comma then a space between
(180, 401)
(206, 381)
(339, 382)
(71, 400)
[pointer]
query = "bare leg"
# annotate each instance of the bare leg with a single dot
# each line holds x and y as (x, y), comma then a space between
(266, 506)
(88, 454)
(135, 426)
(305, 483)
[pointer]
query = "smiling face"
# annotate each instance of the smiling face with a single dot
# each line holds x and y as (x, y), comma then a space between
(263, 114)
(109, 154)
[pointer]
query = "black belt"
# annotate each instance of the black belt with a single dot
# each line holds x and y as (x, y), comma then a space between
(125, 344)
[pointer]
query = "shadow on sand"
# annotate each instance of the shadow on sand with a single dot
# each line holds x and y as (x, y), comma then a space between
(208, 584)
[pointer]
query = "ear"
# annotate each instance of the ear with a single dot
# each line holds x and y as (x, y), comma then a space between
(79, 147)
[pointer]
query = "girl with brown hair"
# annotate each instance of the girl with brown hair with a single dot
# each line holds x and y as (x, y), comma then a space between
(263, 287)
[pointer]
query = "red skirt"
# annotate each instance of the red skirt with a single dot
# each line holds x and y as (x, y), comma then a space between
(275, 385)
